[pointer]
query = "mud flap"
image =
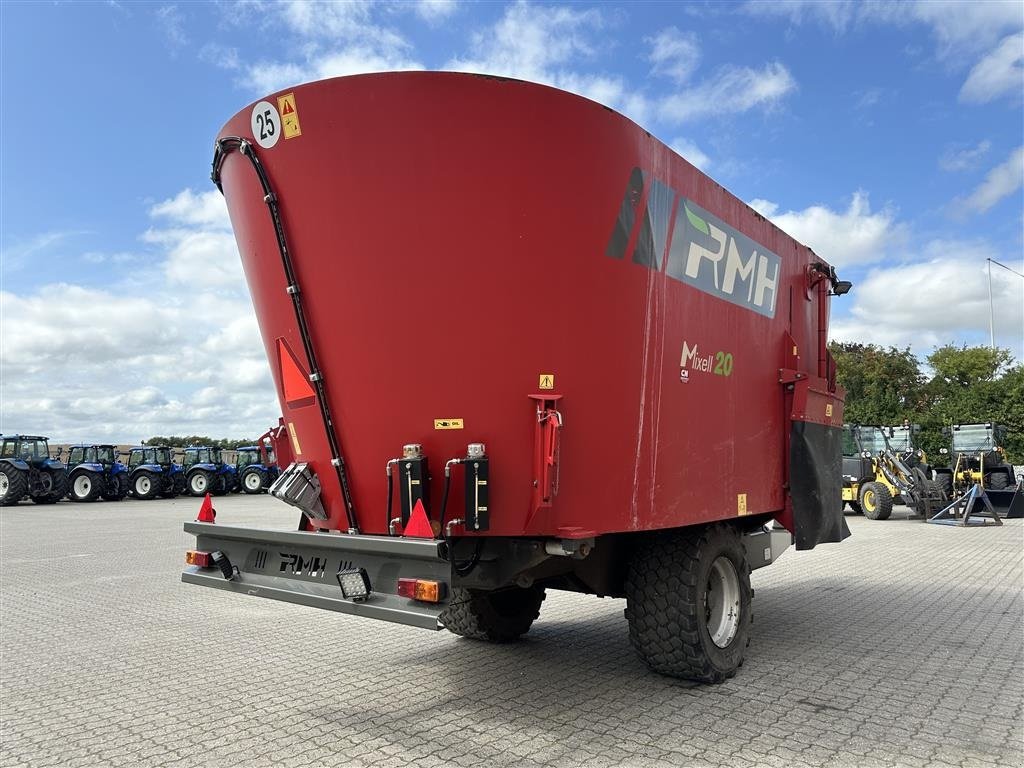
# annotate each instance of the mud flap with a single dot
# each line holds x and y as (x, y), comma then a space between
(816, 484)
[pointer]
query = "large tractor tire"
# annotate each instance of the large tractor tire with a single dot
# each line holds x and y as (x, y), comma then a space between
(13, 485)
(170, 488)
(944, 481)
(855, 506)
(499, 616)
(54, 486)
(146, 485)
(253, 481)
(997, 480)
(85, 486)
(118, 487)
(180, 486)
(200, 483)
(688, 603)
(221, 484)
(876, 501)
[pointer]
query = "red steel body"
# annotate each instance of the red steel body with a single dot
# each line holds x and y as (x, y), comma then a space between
(450, 235)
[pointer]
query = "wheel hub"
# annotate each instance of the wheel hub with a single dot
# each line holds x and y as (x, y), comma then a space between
(5, 484)
(82, 486)
(722, 602)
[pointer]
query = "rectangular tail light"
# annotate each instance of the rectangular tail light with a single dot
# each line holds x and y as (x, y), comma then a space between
(199, 559)
(424, 590)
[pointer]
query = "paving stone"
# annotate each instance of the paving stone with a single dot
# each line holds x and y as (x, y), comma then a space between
(902, 646)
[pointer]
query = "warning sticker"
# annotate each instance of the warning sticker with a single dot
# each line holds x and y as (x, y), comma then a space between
(289, 115)
(546, 381)
(448, 424)
(741, 504)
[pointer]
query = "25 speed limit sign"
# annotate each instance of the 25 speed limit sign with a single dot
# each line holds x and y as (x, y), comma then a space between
(265, 124)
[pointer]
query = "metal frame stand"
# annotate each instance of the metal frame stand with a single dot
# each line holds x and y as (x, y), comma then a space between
(960, 511)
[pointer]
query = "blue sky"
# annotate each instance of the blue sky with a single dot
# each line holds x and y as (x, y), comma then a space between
(886, 136)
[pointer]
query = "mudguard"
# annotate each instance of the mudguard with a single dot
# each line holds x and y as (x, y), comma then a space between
(90, 466)
(19, 464)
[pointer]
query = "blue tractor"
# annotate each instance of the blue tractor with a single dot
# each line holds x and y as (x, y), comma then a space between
(26, 469)
(256, 467)
(206, 472)
(152, 472)
(94, 471)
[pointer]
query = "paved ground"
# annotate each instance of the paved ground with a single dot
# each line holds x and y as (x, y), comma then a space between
(901, 646)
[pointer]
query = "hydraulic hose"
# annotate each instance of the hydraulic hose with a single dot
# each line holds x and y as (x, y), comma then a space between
(222, 149)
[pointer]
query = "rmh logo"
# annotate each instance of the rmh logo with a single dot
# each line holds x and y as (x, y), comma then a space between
(704, 251)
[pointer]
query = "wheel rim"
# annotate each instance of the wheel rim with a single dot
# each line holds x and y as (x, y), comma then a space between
(253, 481)
(142, 485)
(5, 484)
(46, 481)
(722, 602)
(83, 486)
(869, 501)
(199, 483)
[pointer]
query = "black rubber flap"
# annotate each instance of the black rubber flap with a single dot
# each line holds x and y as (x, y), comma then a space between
(816, 484)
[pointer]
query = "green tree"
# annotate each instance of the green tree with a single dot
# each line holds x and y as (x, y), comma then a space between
(883, 385)
(974, 385)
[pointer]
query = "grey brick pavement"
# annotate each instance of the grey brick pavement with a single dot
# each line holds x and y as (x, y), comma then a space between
(901, 646)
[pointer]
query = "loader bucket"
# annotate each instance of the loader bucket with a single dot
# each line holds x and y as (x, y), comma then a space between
(1008, 503)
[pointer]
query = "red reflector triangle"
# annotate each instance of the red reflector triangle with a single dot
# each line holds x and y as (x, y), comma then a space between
(418, 525)
(294, 380)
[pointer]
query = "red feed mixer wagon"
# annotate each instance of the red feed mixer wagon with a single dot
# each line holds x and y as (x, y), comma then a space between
(522, 345)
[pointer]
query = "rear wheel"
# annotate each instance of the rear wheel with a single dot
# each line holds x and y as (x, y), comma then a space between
(13, 486)
(855, 506)
(688, 603)
(876, 501)
(997, 481)
(945, 483)
(118, 487)
(146, 486)
(54, 484)
(85, 486)
(200, 483)
(498, 616)
(252, 481)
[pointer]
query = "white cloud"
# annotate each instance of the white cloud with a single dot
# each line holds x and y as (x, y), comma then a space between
(964, 158)
(963, 31)
(135, 359)
(1000, 72)
(170, 20)
(1002, 181)
(899, 305)
(674, 54)
(531, 42)
(434, 11)
(335, 39)
(22, 252)
(842, 238)
(691, 152)
(730, 90)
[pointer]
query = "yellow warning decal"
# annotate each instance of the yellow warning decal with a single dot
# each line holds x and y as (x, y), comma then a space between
(295, 439)
(828, 410)
(546, 381)
(741, 504)
(289, 115)
(448, 424)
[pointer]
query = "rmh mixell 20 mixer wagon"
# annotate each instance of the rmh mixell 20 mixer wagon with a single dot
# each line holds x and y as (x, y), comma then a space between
(522, 345)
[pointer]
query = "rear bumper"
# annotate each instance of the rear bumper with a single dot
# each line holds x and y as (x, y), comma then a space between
(299, 567)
